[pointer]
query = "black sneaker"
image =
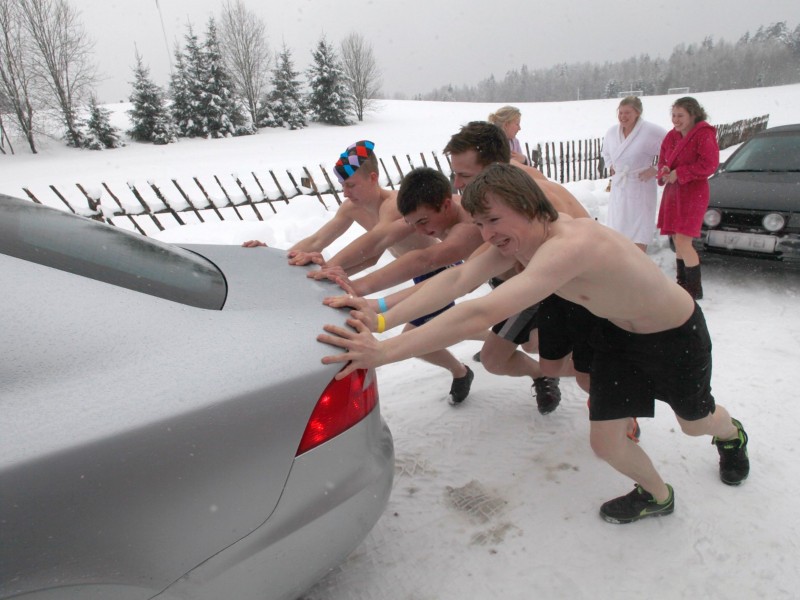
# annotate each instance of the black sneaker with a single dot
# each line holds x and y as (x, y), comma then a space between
(637, 505)
(547, 394)
(734, 464)
(477, 356)
(459, 390)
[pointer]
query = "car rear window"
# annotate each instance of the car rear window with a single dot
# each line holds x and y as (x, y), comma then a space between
(779, 152)
(84, 247)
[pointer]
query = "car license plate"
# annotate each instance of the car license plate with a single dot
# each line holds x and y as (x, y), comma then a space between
(732, 240)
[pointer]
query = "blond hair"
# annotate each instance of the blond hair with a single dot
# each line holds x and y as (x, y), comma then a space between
(504, 115)
(632, 101)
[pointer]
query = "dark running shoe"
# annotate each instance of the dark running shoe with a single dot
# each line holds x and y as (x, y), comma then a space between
(459, 390)
(734, 464)
(637, 505)
(547, 394)
(477, 356)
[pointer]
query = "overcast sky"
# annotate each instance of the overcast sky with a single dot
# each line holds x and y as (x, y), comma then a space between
(423, 44)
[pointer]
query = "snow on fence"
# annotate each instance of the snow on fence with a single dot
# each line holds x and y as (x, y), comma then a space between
(153, 205)
(730, 134)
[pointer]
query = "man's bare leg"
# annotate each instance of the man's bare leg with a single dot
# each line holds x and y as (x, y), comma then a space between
(442, 358)
(501, 357)
(610, 442)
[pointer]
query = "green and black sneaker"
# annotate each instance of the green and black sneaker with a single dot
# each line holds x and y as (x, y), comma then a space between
(734, 464)
(637, 505)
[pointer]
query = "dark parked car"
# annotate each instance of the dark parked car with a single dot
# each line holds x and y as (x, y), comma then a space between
(168, 430)
(755, 199)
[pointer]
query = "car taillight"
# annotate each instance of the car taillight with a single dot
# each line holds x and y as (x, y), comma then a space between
(344, 403)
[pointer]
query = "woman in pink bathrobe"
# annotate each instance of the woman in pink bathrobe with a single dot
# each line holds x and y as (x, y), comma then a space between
(689, 156)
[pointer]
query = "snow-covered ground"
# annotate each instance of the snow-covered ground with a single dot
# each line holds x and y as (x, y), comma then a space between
(491, 499)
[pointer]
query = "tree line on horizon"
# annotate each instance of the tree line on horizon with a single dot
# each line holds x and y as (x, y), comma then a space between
(769, 57)
(227, 84)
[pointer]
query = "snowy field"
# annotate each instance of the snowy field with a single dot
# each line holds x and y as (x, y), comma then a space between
(491, 499)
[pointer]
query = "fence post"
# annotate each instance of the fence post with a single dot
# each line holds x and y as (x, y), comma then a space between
(210, 201)
(280, 189)
(397, 164)
(314, 188)
(330, 185)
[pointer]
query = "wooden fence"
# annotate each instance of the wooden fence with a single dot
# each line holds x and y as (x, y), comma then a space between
(730, 134)
(158, 204)
(583, 159)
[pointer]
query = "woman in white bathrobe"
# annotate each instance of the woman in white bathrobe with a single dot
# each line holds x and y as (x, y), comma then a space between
(630, 151)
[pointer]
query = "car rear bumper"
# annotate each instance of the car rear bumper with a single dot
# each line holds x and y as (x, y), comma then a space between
(755, 245)
(305, 538)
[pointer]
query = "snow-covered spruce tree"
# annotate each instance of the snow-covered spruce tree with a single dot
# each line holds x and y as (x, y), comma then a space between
(149, 112)
(164, 131)
(264, 113)
(181, 108)
(222, 112)
(97, 131)
(286, 107)
(193, 78)
(329, 99)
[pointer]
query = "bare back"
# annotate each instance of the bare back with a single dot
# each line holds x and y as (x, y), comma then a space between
(557, 194)
(602, 270)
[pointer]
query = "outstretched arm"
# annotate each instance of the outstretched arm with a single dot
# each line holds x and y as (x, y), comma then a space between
(448, 285)
(368, 248)
(458, 245)
(458, 323)
(324, 236)
(550, 269)
(424, 298)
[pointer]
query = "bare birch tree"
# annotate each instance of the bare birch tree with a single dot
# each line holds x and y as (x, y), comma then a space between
(15, 78)
(246, 53)
(363, 75)
(62, 58)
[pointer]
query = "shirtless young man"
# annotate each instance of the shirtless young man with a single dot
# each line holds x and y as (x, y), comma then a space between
(476, 146)
(653, 343)
(375, 209)
(428, 209)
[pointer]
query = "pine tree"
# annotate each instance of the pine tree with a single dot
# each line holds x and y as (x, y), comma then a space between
(285, 107)
(223, 114)
(194, 77)
(328, 101)
(149, 112)
(98, 133)
(163, 130)
(181, 108)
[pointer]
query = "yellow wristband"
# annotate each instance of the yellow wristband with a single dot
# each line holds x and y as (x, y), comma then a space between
(381, 323)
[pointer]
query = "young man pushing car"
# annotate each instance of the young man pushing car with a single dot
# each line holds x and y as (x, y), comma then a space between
(653, 344)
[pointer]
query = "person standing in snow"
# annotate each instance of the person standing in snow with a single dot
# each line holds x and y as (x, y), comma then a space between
(509, 118)
(689, 156)
(653, 342)
(630, 150)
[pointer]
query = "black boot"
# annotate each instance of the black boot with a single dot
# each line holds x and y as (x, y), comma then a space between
(694, 284)
(680, 268)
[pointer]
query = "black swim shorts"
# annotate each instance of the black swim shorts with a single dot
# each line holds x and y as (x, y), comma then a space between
(630, 371)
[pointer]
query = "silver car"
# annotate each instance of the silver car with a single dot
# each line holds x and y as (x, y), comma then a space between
(168, 430)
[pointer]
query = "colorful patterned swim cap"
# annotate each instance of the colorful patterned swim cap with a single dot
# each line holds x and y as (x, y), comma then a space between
(352, 158)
